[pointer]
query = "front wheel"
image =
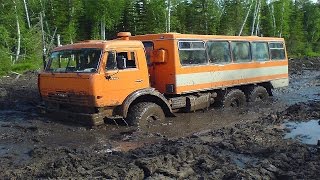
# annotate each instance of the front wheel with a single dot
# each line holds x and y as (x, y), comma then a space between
(145, 115)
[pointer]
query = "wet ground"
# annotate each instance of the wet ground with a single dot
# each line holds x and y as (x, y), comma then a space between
(260, 141)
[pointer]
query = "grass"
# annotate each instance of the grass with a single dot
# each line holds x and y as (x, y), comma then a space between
(20, 67)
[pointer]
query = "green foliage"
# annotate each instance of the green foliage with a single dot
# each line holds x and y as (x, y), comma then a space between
(266, 26)
(232, 17)
(5, 61)
(295, 40)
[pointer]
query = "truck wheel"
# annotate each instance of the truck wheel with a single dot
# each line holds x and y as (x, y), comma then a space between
(145, 115)
(258, 93)
(234, 98)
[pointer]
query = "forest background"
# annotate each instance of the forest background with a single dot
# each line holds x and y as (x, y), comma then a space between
(29, 28)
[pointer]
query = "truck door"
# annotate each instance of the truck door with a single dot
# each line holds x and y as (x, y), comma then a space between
(148, 47)
(119, 83)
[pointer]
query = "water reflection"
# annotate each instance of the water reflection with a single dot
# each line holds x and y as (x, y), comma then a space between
(306, 132)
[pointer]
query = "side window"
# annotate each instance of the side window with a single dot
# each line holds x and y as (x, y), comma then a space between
(111, 61)
(277, 51)
(241, 51)
(192, 53)
(219, 52)
(128, 59)
(148, 47)
(260, 51)
(131, 60)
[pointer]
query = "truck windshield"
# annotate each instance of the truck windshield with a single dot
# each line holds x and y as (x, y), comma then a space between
(76, 60)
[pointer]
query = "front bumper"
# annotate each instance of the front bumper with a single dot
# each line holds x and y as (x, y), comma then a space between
(94, 119)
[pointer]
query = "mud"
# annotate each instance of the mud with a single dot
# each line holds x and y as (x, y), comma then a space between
(247, 143)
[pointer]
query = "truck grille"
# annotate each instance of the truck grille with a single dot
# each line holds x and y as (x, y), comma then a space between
(70, 98)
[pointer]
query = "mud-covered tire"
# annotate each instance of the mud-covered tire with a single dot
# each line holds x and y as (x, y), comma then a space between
(257, 94)
(234, 98)
(145, 115)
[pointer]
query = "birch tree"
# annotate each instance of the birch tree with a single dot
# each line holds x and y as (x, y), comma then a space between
(27, 13)
(18, 34)
(245, 20)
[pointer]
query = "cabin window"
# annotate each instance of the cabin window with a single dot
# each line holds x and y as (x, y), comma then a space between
(277, 51)
(218, 52)
(148, 47)
(192, 53)
(241, 51)
(129, 60)
(260, 51)
(111, 61)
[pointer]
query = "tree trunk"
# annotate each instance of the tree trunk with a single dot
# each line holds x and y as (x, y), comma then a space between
(18, 34)
(58, 40)
(254, 17)
(280, 34)
(103, 29)
(258, 18)
(169, 16)
(44, 50)
(274, 20)
(27, 13)
(245, 20)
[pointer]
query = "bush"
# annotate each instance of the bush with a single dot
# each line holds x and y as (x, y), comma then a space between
(5, 61)
(25, 66)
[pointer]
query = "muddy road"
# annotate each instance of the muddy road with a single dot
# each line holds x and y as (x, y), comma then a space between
(272, 140)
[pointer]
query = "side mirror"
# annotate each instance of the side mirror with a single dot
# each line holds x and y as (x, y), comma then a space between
(158, 56)
(121, 62)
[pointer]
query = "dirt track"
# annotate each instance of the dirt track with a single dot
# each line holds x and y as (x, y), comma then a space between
(216, 144)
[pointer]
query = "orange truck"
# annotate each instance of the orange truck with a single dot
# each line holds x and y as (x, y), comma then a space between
(144, 78)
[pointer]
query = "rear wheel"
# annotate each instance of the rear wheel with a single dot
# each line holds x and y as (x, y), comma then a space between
(234, 98)
(257, 94)
(145, 115)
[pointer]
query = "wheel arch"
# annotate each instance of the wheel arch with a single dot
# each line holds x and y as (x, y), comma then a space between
(268, 87)
(146, 95)
(248, 87)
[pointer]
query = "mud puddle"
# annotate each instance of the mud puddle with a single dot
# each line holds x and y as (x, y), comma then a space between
(185, 124)
(306, 132)
(303, 87)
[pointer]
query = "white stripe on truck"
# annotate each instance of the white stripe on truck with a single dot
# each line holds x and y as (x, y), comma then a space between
(227, 75)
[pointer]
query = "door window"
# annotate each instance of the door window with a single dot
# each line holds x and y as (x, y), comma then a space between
(148, 47)
(111, 61)
(128, 58)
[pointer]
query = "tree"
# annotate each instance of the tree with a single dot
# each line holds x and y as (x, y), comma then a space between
(311, 24)
(267, 25)
(128, 18)
(295, 39)
(232, 17)
(64, 15)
